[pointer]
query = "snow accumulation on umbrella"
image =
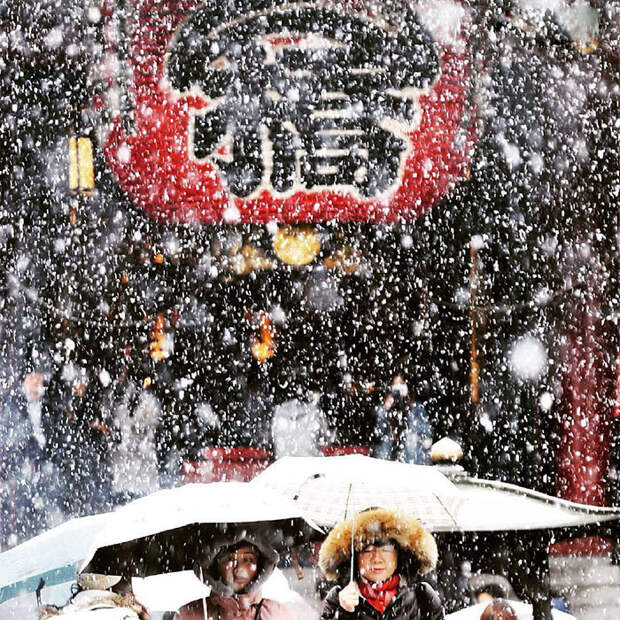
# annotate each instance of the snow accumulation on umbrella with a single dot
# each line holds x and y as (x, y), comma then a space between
(165, 531)
(288, 473)
(490, 505)
(53, 555)
(225, 502)
(471, 504)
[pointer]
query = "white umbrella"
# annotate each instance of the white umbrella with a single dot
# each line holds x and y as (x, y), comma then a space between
(523, 611)
(492, 505)
(473, 505)
(51, 558)
(329, 489)
(165, 531)
(56, 556)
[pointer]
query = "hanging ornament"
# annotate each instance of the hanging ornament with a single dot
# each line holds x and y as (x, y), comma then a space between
(296, 245)
(379, 125)
(160, 344)
(345, 259)
(264, 348)
(474, 270)
(250, 259)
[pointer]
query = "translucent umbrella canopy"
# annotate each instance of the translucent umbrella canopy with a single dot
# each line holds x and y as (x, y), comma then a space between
(444, 499)
(330, 489)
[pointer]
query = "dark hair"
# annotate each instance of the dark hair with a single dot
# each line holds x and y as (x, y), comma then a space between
(408, 563)
(494, 589)
(224, 551)
(237, 546)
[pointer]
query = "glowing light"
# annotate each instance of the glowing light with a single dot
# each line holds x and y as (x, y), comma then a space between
(296, 245)
(264, 348)
(160, 345)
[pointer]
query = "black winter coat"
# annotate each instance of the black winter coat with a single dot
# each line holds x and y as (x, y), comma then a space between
(418, 602)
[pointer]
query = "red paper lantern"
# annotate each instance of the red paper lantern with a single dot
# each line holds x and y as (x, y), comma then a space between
(257, 111)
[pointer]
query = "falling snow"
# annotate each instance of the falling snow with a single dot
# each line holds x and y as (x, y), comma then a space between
(317, 230)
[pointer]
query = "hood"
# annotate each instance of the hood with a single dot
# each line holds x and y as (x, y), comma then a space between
(269, 559)
(417, 546)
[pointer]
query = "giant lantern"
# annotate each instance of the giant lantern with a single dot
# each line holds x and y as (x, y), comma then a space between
(251, 111)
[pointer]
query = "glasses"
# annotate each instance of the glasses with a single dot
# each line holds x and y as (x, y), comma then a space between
(386, 549)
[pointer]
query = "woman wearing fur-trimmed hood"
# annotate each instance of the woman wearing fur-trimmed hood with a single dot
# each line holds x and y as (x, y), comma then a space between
(236, 566)
(391, 551)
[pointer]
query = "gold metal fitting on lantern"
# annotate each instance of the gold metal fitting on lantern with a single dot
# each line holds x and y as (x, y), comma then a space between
(296, 245)
(81, 168)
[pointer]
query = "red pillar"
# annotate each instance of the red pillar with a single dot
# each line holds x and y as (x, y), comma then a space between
(586, 409)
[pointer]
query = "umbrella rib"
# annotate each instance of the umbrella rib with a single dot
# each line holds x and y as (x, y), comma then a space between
(447, 510)
(346, 506)
(204, 600)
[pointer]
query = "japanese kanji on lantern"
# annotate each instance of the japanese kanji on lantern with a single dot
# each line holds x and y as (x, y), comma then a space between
(258, 111)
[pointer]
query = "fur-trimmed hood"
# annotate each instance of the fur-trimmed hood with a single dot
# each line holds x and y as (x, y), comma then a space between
(374, 525)
(113, 606)
(208, 560)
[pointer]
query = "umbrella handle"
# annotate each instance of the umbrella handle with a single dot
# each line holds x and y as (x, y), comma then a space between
(295, 559)
(204, 599)
(352, 547)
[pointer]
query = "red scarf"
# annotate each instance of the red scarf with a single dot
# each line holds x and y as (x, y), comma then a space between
(379, 594)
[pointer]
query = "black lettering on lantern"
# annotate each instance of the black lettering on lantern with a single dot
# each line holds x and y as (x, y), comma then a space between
(308, 96)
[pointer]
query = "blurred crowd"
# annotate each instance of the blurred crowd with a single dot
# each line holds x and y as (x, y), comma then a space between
(51, 470)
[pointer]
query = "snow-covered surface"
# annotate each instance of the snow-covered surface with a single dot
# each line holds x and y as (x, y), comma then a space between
(524, 612)
(219, 502)
(59, 548)
(496, 506)
(290, 473)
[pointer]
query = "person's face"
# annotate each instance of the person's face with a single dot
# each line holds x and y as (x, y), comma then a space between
(484, 597)
(378, 562)
(238, 568)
